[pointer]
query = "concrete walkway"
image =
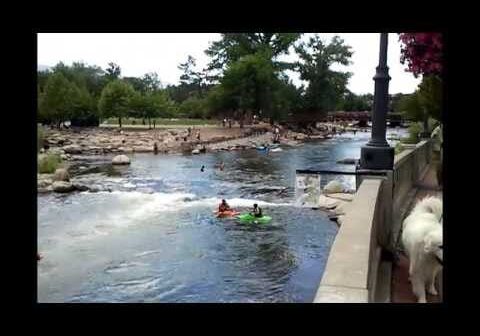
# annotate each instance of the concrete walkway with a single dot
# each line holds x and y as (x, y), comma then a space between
(401, 290)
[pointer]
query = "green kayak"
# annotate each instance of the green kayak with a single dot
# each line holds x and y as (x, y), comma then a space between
(248, 218)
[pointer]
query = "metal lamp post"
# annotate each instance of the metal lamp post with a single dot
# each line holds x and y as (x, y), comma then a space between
(377, 153)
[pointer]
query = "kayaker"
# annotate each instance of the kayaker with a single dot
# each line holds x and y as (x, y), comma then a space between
(257, 211)
(224, 206)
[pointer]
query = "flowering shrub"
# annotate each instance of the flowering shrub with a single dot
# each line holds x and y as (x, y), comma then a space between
(422, 52)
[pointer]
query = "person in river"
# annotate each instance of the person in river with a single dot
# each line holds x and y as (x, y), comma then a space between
(202, 169)
(224, 206)
(256, 211)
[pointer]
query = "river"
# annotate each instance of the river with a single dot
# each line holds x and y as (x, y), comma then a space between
(154, 237)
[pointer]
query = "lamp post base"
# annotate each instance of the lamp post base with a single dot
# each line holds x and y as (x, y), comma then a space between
(377, 157)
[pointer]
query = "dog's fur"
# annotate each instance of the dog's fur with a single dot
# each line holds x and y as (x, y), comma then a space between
(422, 238)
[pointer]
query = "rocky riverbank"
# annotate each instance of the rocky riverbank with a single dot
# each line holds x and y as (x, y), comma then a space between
(81, 148)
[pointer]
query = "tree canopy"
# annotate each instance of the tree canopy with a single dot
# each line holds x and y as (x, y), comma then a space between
(326, 86)
(246, 75)
(115, 100)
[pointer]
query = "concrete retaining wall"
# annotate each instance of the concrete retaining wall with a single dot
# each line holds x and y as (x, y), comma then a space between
(347, 274)
(409, 167)
(371, 223)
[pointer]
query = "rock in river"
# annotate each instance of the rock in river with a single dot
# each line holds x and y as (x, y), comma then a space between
(121, 160)
(61, 174)
(333, 187)
(72, 149)
(62, 187)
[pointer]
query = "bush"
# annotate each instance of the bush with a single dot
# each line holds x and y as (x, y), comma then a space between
(47, 164)
(414, 131)
(399, 148)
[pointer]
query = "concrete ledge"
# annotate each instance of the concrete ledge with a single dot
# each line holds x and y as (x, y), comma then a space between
(348, 265)
(334, 294)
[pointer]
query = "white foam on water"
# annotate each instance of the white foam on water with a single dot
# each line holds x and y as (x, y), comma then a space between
(123, 209)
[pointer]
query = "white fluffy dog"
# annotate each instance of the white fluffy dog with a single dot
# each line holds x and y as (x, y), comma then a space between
(422, 238)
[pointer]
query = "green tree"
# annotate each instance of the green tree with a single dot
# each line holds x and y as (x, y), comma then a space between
(325, 86)
(193, 81)
(193, 107)
(410, 105)
(424, 103)
(147, 83)
(83, 75)
(151, 82)
(234, 46)
(248, 85)
(84, 110)
(58, 99)
(353, 102)
(115, 100)
(113, 71)
(430, 96)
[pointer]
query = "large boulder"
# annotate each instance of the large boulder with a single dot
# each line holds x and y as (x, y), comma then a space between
(61, 174)
(333, 187)
(62, 187)
(121, 160)
(72, 149)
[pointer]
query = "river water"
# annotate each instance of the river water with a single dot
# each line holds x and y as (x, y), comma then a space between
(154, 237)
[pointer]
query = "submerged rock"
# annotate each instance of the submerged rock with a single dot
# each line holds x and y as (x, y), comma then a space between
(80, 187)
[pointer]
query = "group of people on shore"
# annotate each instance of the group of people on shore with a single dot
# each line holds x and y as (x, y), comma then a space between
(189, 134)
(225, 121)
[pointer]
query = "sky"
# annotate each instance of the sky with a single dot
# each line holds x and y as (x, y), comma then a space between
(139, 53)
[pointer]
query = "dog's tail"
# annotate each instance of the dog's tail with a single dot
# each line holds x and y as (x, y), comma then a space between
(433, 205)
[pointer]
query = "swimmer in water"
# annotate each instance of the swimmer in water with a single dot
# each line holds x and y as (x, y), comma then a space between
(202, 169)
